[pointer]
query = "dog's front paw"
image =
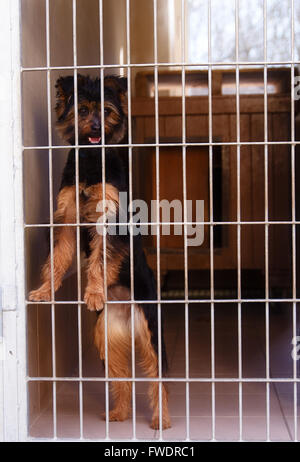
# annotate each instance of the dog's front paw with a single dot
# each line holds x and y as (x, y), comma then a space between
(43, 294)
(94, 301)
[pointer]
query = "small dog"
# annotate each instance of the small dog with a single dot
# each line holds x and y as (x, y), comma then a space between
(117, 246)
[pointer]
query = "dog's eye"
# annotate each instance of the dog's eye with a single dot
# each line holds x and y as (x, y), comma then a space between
(83, 110)
(107, 111)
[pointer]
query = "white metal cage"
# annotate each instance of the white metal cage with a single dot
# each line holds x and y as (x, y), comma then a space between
(15, 374)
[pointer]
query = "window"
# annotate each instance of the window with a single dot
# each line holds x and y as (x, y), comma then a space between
(251, 30)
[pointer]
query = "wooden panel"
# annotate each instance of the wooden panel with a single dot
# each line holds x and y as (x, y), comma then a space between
(252, 168)
(149, 129)
(258, 189)
(232, 169)
(246, 170)
(139, 129)
(246, 193)
(280, 202)
(197, 183)
(196, 126)
(199, 105)
(258, 175)
(279, 170)
(220, 128)
(173, 127)
(279, 78)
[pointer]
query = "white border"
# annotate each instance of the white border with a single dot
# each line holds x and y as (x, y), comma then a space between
(13, 401)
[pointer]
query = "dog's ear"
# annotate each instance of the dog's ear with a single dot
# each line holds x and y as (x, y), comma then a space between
(65, 93)
(119, 86)
(117, 83)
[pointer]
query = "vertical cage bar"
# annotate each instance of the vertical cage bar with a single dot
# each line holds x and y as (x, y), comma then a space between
(158, 218)
(238, 155)
(211, 228)
(104, 229)
(128, 40)
(78, 263)
(186, 290)
(293, 198)
(266, 182)
(54, 389)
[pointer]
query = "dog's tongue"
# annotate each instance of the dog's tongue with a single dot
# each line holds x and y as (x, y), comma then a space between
(95, 140)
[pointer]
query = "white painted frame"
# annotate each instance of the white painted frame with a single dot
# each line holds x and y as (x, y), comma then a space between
(13, 396)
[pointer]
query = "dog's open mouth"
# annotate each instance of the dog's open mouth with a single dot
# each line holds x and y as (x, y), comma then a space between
(94, 140)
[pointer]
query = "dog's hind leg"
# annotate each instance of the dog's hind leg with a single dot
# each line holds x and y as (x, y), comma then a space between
(149, 363)
(118, 356)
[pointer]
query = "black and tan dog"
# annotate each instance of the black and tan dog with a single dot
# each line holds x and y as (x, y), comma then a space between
(117, 246)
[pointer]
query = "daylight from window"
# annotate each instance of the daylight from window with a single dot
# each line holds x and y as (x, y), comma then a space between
(251, 30)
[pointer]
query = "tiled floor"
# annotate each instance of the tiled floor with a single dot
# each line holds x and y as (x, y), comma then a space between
(254, 422)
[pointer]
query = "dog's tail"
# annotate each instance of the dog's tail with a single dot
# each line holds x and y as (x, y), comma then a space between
(151, 314)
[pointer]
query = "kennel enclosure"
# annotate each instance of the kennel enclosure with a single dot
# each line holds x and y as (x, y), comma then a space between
(226, 131)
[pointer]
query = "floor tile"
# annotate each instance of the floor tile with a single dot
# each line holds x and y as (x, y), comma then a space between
(227, 422)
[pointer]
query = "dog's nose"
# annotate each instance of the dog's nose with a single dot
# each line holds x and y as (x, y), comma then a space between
(96, 124)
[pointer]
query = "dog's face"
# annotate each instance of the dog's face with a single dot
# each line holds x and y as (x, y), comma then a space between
(89, 109)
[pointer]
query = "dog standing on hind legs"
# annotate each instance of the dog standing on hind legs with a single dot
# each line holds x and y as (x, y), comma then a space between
(117, 244)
